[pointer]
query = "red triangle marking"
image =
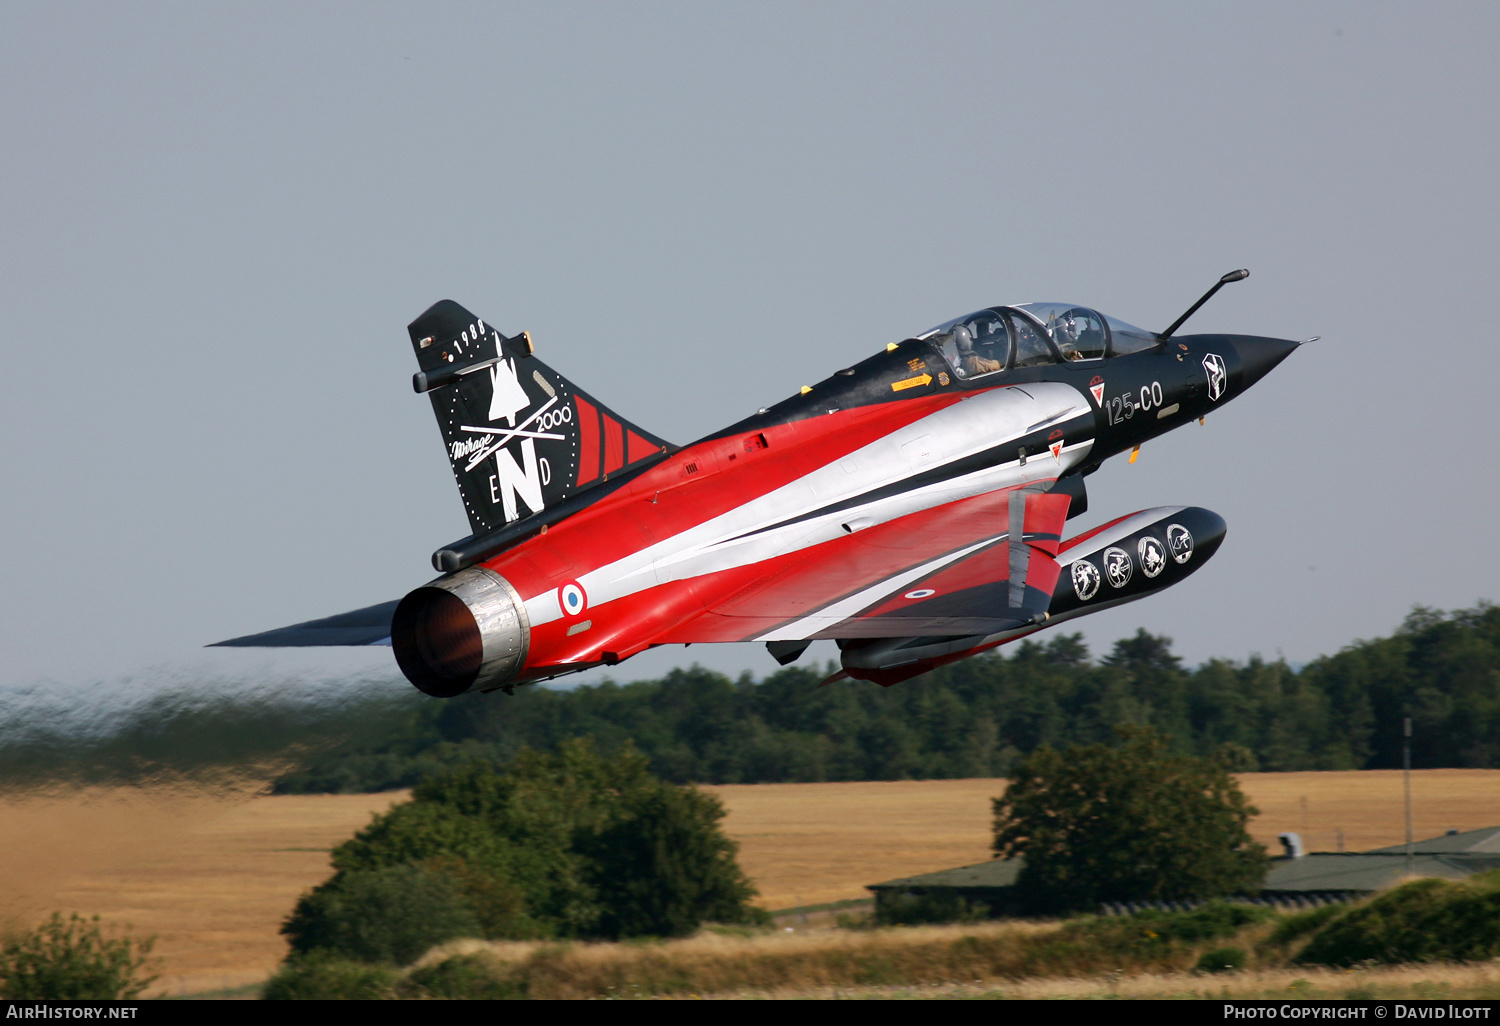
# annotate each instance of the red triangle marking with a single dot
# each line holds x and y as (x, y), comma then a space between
(614, 446)
(1098, 391)
(1056, 448)
(636, 447)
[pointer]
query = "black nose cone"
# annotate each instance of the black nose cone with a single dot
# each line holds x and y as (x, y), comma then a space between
(1259, 355)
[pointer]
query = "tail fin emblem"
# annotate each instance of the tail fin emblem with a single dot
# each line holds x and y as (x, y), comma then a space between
(507, 397)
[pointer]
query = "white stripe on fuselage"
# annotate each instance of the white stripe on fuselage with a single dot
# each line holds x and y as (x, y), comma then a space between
(748, 533)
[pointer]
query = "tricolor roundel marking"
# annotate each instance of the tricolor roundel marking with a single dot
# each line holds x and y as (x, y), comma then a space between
(920, 593)
(572, 598)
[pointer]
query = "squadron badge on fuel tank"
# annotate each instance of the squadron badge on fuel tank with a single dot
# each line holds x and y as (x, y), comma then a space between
(1153, 557)
(1180, 541)
(1117, 567)
(1085, 580)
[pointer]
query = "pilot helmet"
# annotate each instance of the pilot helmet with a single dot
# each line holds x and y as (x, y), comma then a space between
(963, 338)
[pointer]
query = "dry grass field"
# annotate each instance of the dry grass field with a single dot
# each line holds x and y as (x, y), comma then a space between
(1425, 983)
(1005, 959)
(213, 875)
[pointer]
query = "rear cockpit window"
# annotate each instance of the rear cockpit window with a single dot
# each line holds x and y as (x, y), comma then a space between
(1032, 349)
(1077, 331)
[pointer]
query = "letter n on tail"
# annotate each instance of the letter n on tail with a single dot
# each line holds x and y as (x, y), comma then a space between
(514, 478)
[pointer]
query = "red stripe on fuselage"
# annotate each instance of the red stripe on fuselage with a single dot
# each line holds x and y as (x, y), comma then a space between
(662, 503)
(1085, 536)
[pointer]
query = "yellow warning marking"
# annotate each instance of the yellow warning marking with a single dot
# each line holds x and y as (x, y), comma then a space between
(889, 346)
(914, 364)
(917, 382)
(1134, 453)
(806, 389)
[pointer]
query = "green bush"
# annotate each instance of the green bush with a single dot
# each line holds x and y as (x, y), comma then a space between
(1222, 960)
(1132, 822)
(1423, 921)
(664, 867)
(1207, 922)
(1152, 933)
(570, 845)
(1294, 927)
(1146, 941)
(465, 977)
(391, 915)
(71, 959)
(322, 976)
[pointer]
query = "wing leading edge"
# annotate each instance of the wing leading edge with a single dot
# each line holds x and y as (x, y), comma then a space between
(368, 626)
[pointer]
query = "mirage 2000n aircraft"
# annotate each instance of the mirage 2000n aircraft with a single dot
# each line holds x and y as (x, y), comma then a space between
(911, 507)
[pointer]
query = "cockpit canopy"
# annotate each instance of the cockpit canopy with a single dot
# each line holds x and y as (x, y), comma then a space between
(1030, 334)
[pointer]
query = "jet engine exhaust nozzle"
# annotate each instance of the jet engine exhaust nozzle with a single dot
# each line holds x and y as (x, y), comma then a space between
(462, 632)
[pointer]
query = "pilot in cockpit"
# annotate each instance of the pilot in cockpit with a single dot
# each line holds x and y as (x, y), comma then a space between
(970, 361)
(1078, 335)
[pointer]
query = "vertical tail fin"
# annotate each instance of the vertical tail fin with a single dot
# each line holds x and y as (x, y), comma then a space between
(520, 436)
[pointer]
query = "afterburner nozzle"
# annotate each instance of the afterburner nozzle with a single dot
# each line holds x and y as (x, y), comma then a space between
(464, 632)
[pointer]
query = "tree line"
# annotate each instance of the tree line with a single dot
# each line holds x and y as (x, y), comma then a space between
(981, 716)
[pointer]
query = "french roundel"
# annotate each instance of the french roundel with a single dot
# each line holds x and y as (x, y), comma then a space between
(572, 599)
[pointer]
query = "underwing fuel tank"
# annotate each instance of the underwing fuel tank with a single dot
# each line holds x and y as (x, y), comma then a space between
(467, 631)
(1124, 560)
(1133, 557)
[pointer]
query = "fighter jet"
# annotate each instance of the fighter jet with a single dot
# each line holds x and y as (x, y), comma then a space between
(912, 507)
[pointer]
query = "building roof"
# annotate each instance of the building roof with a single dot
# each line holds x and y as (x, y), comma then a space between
(993, 873)
(1486, 841)
(1367, 871)
(1450, 857)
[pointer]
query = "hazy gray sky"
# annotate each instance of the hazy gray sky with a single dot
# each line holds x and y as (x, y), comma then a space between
(218, 219)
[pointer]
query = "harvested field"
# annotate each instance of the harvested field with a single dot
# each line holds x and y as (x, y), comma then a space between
(213, 875)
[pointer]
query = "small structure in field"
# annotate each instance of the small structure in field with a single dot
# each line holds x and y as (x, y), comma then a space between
(1293, 879)
(1452, 856)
